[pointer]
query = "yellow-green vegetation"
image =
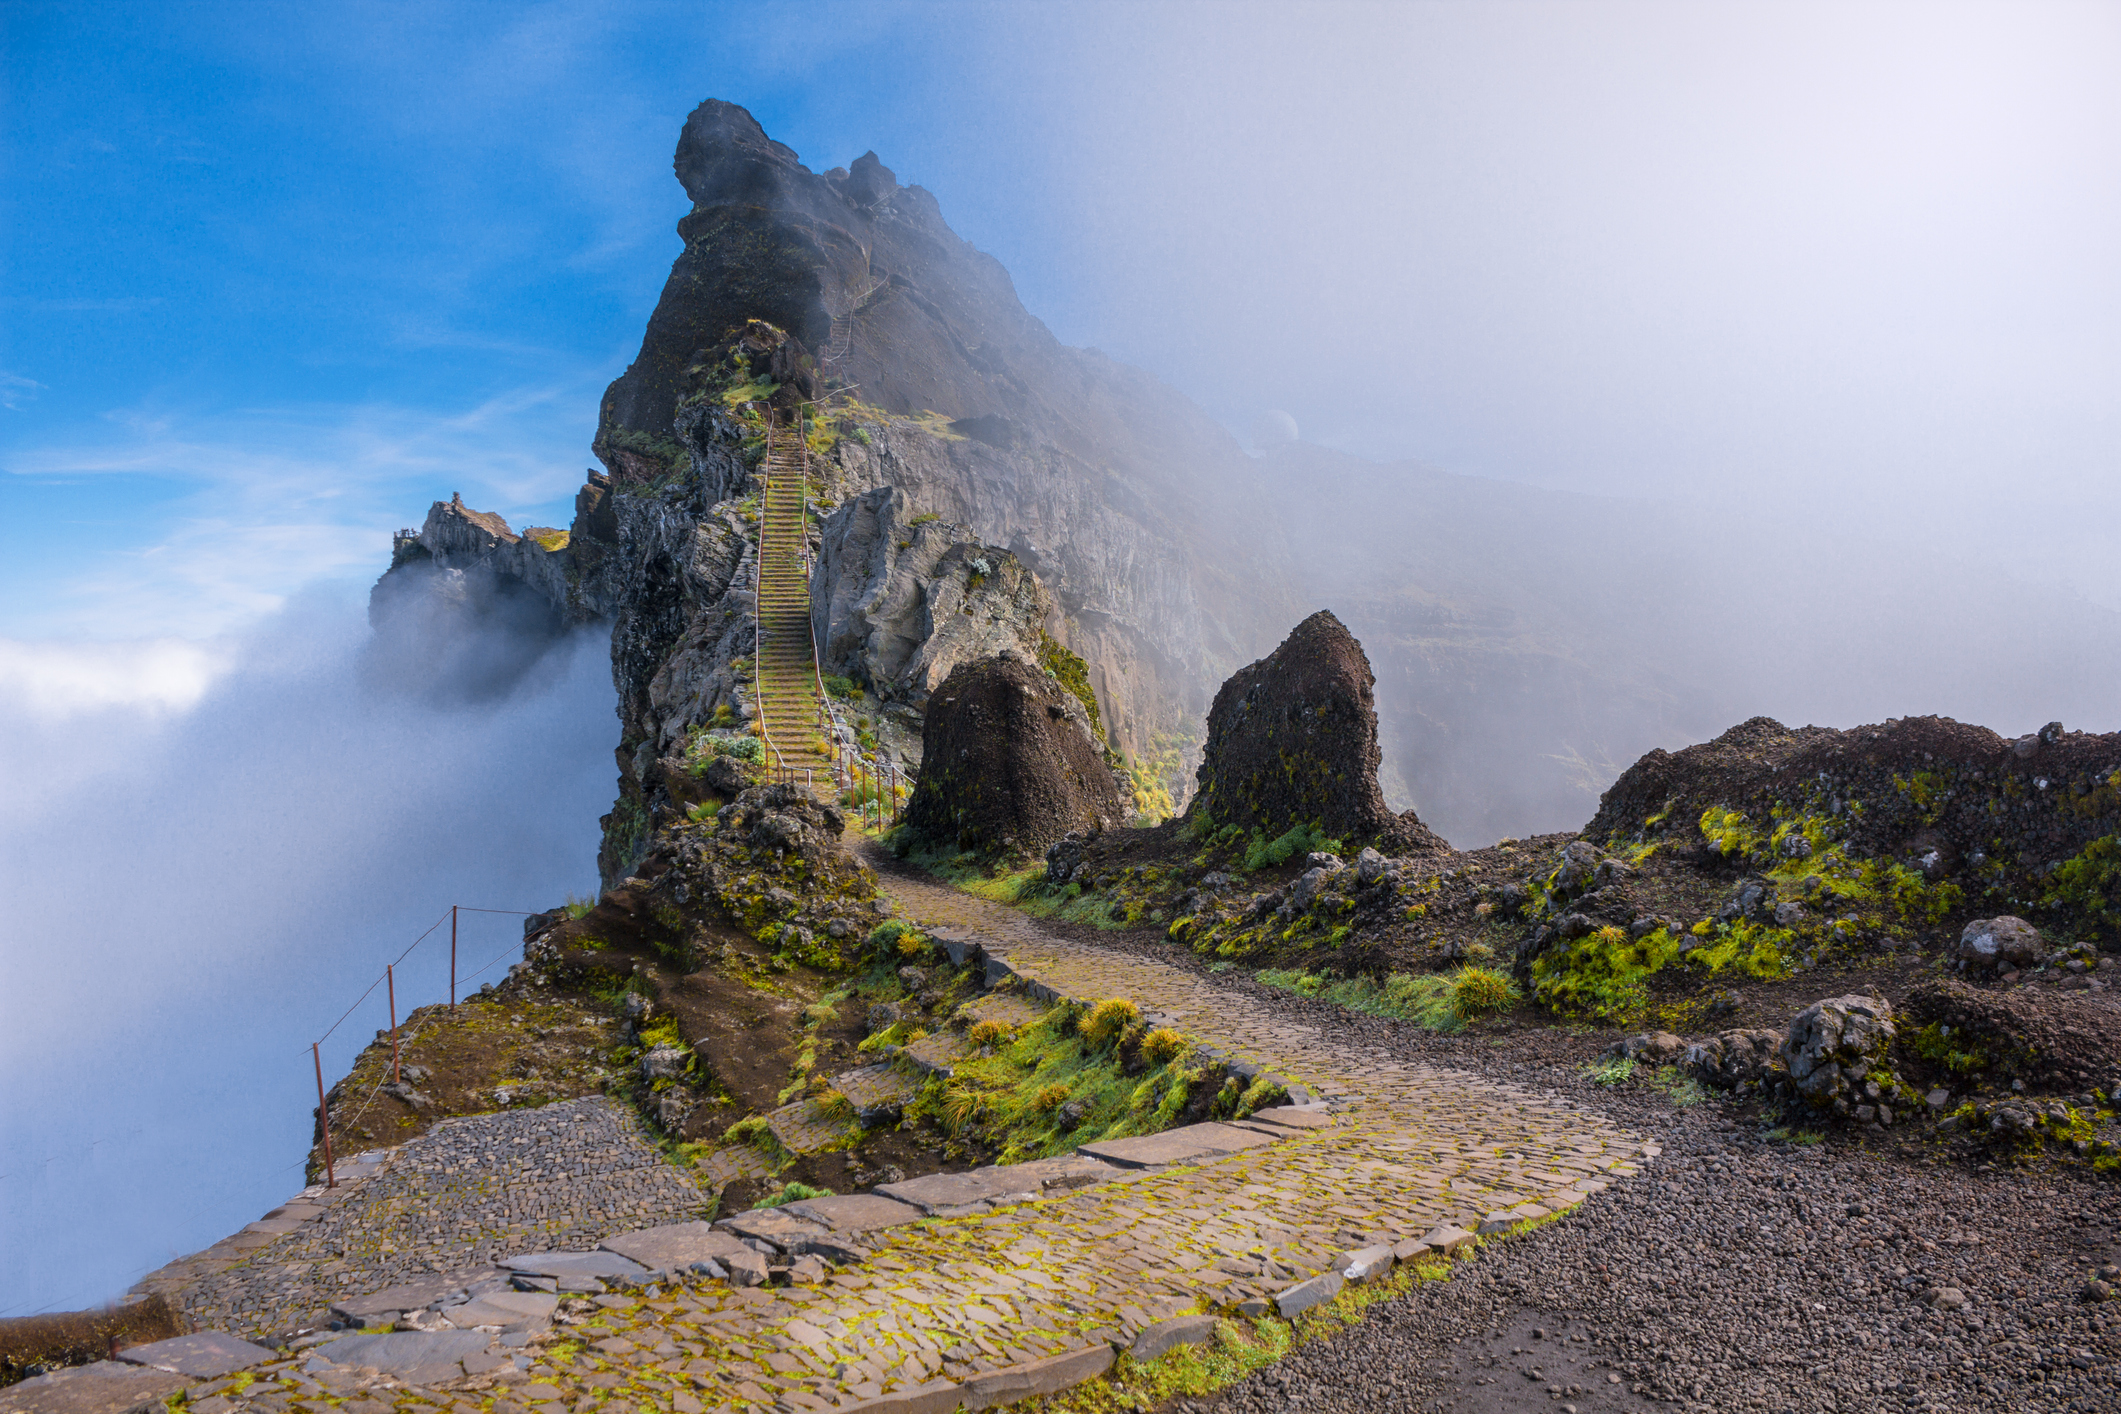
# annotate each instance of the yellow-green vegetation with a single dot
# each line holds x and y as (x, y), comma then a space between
(1804, 859)
(1109, 1018)
(1297, 840)
(546, 538)
(1159, 775)
(1611, 1071)
(1481, 991)
(1071, 672)
(1958, 1053)
(672, 456)
(895, 939)
(1603, 976)
(754, 1131)
(1162, 1044)
(2090, 883)
(1798, 849)
(818, 1013)
(702, 747)
(792, 1192)
(1237, 1349)
(1437, 1001)
(1062, 1081)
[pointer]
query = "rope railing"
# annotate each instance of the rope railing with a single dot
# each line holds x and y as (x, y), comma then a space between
(774, 759)
(389, 982)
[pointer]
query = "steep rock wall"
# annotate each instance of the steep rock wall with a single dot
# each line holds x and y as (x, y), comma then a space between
(1120, 495)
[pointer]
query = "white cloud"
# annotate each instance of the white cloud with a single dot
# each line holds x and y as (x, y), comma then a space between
(16, 390)
(51, 680)
(275, 500)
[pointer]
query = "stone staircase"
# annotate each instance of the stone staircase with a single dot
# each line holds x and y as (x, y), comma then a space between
(787, 683)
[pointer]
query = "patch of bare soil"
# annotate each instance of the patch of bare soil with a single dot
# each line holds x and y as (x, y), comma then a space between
(508, 1046)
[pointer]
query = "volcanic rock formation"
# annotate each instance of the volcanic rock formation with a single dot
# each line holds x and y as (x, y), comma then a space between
(1009, 762)
(1292, 740)
(2007, 818)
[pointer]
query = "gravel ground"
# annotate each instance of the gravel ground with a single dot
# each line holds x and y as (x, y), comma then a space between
(467, 1192)
(1738, 1274)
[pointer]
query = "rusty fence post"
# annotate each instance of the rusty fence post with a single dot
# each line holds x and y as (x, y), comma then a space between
(323, 1115)
(390, 983)
(452, 959)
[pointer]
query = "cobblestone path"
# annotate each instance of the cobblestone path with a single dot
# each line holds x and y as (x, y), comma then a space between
(963, 1300)
(461, 1195)
(966, 1302)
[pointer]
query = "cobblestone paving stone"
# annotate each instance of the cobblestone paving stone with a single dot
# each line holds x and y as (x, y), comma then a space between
(1002, 1008)
(468, 1191)
(807, 1126)
(876, 1088)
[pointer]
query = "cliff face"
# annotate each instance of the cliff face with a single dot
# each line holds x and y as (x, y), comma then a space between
(1123, 498)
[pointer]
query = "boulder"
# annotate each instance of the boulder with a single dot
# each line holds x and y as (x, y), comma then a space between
(1292, 740)
(789, 819)
(725, 775)
(1999, 942)
(663, 1063)
(1065, 857)
(1836, 1052)
(1733, 1058)
(1009, 762)
(1655, 1047)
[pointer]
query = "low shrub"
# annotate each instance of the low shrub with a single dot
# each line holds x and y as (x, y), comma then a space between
(1109, 1018)
(1480, 991)
(793, 1192)
(1163, 1044)
(1299, 839)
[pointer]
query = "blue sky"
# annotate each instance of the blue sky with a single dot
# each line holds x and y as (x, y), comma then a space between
(278, 275)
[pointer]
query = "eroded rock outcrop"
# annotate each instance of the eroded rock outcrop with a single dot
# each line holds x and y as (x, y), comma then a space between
(1292, 740)
(1958, 810)
(901, 600)
(1009, 762)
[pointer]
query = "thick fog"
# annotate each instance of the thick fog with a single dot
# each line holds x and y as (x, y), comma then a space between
(1722, 360)
(209, 854)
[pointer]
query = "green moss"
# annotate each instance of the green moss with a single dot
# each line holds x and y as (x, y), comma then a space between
(2090, 883)
(1751, 948)
(1298, 839)
(1073, 673)
(1602, 976)
(1928, 791)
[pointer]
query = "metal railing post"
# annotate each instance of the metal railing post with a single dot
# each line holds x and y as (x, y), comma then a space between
(324, 1114)
(390, 986)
